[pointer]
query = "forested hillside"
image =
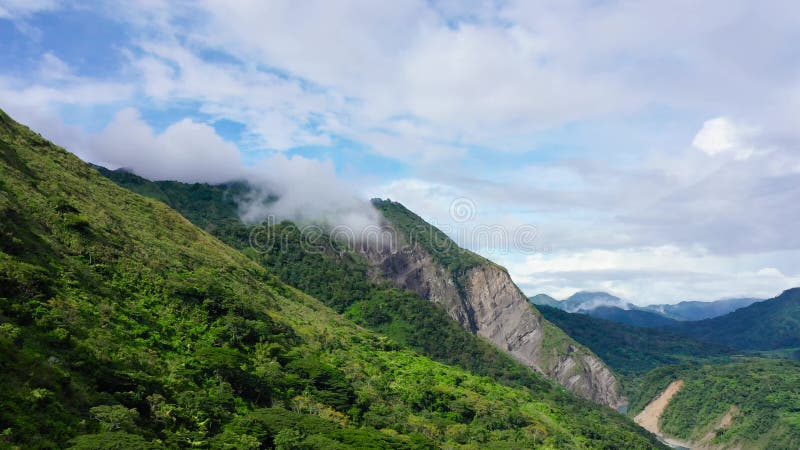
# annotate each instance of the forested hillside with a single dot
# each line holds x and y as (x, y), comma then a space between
(342, 277)
(123, 325)
(758, 396)
(767, 325)
(339, 277)
(633, 351)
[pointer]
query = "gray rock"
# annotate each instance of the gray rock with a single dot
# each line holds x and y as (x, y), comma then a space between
(486, 302)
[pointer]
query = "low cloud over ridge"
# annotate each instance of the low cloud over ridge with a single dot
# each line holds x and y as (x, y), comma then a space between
(307, 190)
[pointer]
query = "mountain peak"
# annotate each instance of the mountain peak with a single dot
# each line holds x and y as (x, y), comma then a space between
(587, 301)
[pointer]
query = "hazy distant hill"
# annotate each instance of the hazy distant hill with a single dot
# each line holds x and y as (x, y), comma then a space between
(633, 317)
(587, 301)
(766, 325)
(611, 307)
(546, 300)
(604, 306)
(694, 310)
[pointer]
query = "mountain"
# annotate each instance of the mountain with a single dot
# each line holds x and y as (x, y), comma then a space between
(750, 403)
(605, 306)
(587, 301)
(720, 401)
(610, 307)
(632, 317)
(465, 288)
(481, 296)
(766, 325)
(545, 300)
(632, 351)
(123, 325)
(694, 310)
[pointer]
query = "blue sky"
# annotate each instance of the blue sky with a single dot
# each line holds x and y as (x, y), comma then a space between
(653, 145)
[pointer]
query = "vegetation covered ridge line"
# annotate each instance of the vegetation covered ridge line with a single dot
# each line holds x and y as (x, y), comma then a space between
(122, 324)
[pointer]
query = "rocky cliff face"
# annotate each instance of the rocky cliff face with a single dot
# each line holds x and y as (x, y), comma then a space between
(485, 301)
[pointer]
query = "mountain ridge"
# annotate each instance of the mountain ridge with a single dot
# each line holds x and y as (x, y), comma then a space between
(123, 324)
(607, 306)
(481, 296)
(767, 325)
(428, 267)
(693, 310)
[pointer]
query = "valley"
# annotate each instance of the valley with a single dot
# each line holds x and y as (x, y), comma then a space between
(698, 394)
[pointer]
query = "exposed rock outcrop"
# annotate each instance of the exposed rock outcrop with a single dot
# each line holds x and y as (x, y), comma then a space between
(484, 300)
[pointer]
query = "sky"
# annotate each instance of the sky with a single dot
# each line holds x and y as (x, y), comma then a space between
(649, 149)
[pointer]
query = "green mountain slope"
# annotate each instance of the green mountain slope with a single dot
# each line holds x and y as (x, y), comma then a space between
(633, 351)
(346, 281)
(767, 325)
(415, 230)
(340, 278)
(482, 297)
(206, 206)
(760, 396)
(123, 325)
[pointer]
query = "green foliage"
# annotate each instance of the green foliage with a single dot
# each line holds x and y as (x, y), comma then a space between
(111, 441)
(633, 351)
(204, 205)
(416, 231)
(339, 278)
(115, 417)
(132, 328)
(763, 392)
(768, 325)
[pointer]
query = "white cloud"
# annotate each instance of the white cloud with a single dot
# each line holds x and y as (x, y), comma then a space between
(649, 275)
(721, 135)
(17, 9)
(78, 92)
(308, 190)
(770, 272)
(443, 87)
(276, 110)
(186, 151)
(479, 80)
(53, 68)
(37, 103)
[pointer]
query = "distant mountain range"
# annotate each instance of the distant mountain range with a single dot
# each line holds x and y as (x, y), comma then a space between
(729, 392)
(765, 325)
(632, 351)
(741, 323)
(610, 307)
(694, 310)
